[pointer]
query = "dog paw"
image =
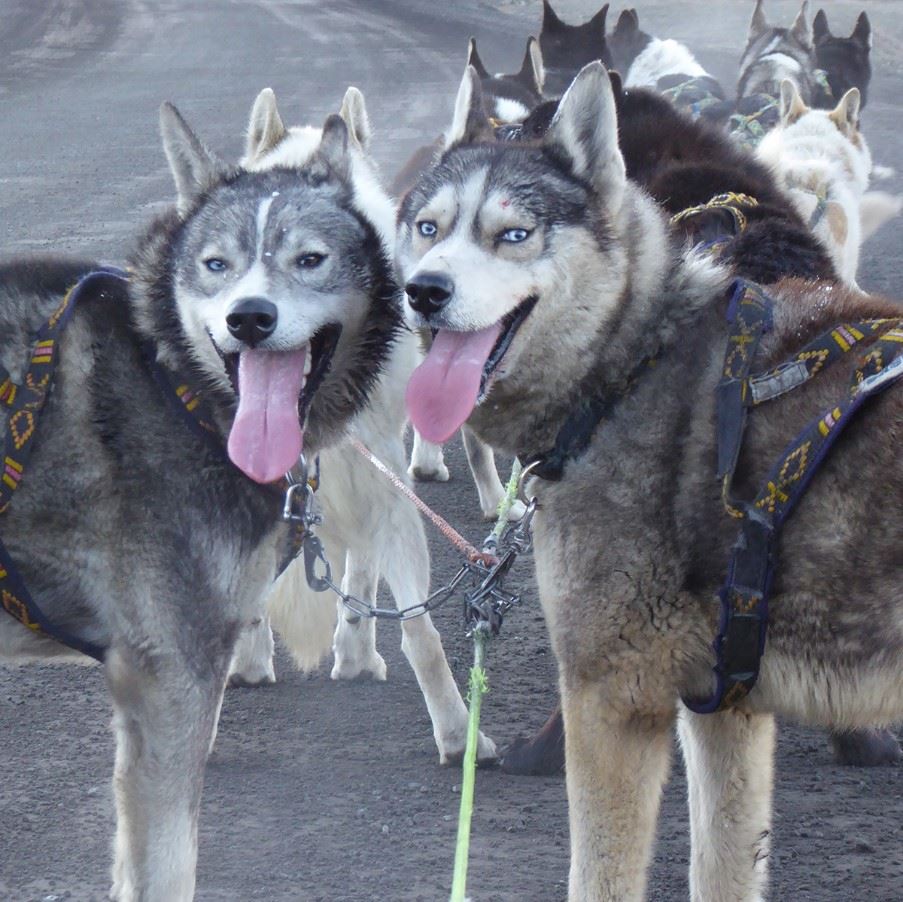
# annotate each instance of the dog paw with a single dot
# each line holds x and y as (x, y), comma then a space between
(866, 748)
(373, 667)
(452, 754)
(252, 680)
(424, 474)
(517, 511)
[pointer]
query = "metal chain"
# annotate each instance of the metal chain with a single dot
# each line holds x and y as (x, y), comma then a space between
(484, 598)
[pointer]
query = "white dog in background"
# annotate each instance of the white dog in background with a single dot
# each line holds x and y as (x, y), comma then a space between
(821, 158)
(369, 530)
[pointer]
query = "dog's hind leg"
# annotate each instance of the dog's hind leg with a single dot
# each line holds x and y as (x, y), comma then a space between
(354, 643)
(486, 477)
(406, 567)
(427, 463)
(730, 769)
(616, 765)
(164, 719)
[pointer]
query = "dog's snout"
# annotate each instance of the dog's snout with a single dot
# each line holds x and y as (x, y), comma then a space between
(252, 320)
(429, 292)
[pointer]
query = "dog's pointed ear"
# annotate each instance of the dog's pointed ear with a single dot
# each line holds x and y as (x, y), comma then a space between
(550, 20)
(627, 23)
(193, 167)
(792, 104)
(820, 29)
(473, 59)
(354, 115)
(532, 71)
(800, 28)
(333, 149)
(584, 134)
(598, 20)
(469, 123)
(758, 24)
(862, 33)
(265, 127)
(846, 114)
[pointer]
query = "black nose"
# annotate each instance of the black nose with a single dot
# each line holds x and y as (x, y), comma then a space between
(252, 320)
(429, 292)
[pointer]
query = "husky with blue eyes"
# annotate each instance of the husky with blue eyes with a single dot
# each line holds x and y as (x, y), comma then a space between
(145, 528)
(575, 328)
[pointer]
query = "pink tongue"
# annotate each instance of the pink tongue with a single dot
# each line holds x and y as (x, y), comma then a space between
(266, 439)
(443, 390)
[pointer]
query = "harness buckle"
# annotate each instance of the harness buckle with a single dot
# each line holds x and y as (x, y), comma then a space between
(892, 371)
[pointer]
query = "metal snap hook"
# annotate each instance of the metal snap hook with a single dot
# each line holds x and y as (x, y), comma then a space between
(521, 496)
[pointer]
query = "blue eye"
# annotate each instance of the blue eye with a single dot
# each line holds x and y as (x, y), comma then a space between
(215, 264)
(514, 236)
(427, 228)
(309, 261)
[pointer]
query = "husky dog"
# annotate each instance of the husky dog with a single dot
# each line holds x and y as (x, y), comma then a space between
(507, 99)
(822, 160)
(510, 98)
(369, 530)
(550, 278)
(771, 56)
(565, 48)
(774, 54)
(667, 65)
(683, 163)
(271, 295)
(845, 61)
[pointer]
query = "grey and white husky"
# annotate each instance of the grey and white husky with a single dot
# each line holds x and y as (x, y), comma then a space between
(271, 295)
(774, 54)
(369, 530)
(550, 279)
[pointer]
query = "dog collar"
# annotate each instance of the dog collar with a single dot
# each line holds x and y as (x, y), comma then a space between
(577, 430)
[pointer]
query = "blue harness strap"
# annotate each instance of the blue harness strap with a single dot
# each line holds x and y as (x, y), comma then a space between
(743, 620)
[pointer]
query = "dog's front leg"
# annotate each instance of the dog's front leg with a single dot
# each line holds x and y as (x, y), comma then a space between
(407, 570)
(164, 718)
(354, 643)
(616, 765)
(729, 758)
(427, 462)
(486, 477)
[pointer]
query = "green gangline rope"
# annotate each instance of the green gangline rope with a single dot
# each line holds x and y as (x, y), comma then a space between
(479, 686)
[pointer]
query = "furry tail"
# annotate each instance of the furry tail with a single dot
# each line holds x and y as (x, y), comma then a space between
(875, 209)
(304, 619)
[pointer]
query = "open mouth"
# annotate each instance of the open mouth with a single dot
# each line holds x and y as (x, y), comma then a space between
(275, 390)
(458, 373)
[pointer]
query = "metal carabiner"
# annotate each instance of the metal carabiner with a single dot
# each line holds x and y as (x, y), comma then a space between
(313, 552)
(521, 496)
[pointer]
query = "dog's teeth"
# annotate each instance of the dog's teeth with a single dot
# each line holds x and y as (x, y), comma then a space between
(307, 362)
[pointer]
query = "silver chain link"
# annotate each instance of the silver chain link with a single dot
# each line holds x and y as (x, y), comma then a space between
(484, 598)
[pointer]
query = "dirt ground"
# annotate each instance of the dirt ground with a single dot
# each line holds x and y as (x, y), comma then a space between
(318, 790)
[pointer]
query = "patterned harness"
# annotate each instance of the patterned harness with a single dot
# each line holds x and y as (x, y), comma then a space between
(756, 114)
(743, 622)
(697, 95)
(27, 401)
